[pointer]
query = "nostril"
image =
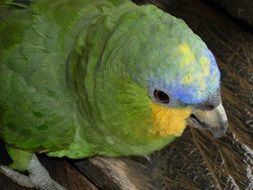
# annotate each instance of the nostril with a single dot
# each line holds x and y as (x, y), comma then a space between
(209, 107)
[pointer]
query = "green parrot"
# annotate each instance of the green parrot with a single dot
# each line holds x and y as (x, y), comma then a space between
(99, 77)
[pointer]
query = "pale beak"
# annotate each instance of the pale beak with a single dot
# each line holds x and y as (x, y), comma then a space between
(214, 120)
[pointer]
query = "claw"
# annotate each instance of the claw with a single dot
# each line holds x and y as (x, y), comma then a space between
(38, 176)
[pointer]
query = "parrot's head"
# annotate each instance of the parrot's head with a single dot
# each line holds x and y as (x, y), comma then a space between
(160, 77)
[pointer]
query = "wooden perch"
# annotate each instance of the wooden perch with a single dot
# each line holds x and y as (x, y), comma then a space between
(59, 169)
(114, 173)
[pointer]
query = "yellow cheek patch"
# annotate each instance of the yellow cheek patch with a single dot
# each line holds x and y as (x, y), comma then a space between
(188, 55)
(168, 121)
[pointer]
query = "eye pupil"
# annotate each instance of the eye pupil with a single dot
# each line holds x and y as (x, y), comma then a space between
(161, 96)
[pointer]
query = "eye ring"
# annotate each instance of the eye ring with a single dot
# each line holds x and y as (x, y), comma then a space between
(161, 97)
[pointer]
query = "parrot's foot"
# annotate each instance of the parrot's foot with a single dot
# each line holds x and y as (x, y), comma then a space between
(19, 178)
(38, 176)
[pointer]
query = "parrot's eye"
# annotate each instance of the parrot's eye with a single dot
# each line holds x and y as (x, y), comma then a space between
(161, 97)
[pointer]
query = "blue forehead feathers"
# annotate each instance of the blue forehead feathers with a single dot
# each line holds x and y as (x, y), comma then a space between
(194, 77)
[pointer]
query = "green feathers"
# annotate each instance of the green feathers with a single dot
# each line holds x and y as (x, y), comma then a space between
(76, 77)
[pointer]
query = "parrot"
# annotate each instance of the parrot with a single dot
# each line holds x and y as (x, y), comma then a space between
(99, 77)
